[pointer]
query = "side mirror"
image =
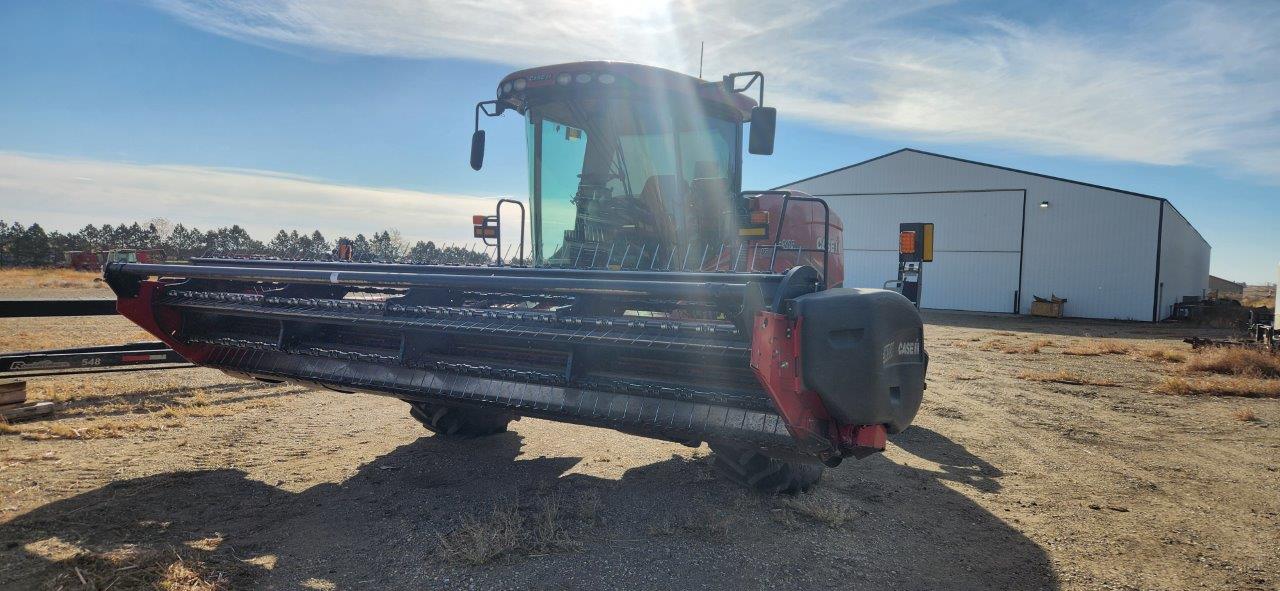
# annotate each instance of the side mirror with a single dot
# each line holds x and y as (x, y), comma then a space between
(764, 121)
(477, 147)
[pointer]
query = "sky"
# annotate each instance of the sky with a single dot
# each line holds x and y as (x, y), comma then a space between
(356, 116)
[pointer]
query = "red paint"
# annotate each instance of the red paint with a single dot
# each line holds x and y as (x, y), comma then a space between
(803, 227)
(775, 359)
(861, 441)
(132, 358)
(159, 321)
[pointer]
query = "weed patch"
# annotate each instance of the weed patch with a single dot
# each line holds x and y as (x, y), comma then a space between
(1097, 347)
(508, 530)
(821, 509)
(1064, 377)
(1245, 415)
(1221, 386)
(1236, 361)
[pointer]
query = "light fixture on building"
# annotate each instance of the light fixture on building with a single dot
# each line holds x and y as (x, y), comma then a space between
(1044, 205)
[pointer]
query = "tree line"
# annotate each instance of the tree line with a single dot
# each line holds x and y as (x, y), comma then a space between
(33, 246)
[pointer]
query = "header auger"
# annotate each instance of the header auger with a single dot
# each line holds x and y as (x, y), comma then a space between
(656, 297)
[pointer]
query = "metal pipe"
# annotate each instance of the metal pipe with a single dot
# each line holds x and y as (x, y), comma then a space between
(685, 276)
(497, 280)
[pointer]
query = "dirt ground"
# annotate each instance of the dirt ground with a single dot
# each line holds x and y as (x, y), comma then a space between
(197, 480)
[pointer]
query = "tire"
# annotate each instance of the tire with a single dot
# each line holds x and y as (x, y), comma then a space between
(752, 469)
(454, 423)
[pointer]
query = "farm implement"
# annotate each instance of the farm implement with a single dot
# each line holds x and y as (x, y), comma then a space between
(656, 298)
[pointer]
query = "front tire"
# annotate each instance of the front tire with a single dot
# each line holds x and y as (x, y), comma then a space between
(455, 423)
(749, 468)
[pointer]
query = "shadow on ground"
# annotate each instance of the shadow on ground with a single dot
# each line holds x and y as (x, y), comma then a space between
(379, 528)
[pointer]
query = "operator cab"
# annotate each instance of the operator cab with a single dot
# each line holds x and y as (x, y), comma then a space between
(630, 166)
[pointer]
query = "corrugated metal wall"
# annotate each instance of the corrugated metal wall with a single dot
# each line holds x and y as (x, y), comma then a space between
(1094, 246)
(976, 248)
(1184, 262)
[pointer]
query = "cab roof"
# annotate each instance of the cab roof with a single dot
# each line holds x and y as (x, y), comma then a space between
(603, 74)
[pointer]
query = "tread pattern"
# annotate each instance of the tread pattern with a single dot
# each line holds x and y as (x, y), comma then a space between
(751, 469)
(459, 423)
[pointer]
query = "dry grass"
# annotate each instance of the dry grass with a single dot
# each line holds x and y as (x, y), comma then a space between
(1236, 361)
(48, 278)
(1259, 302)
(1097, 347)
(1031, 348)
(96, 429)
(1064, 377)
(1164, 355)
(131, 568)
(821, 509)
(1221, 386)
(508, 530)
(31, 334)
(707, 524)
(1245, 415)
(143, 415)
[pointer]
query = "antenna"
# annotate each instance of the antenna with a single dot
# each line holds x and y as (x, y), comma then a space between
(701, 50)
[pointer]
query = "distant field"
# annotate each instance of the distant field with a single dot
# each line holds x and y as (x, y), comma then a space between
(41, 278)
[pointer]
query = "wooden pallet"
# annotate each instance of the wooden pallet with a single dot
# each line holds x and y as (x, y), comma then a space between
(13, 392)
(14, 405)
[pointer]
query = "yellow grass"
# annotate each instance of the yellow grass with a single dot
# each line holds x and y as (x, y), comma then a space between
(130, 568)
(1221, 386)
(1097, 347)
(1244, 415)
(1268, 302)
(46, 278)
(1236, 361)
(1165, 355)
(1064, 377)
(825, 509)
(1031, 348)
(153, 410)
(507, 530)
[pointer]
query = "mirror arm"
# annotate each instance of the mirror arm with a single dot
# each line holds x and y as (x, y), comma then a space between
(730, 81)
(498, 109)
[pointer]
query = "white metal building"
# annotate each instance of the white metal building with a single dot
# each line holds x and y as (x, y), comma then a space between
(1003, 236)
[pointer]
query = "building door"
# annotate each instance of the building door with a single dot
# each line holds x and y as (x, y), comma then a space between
(977, 244)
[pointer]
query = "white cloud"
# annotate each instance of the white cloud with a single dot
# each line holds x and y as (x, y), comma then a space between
(1186, 82)
(66, 194)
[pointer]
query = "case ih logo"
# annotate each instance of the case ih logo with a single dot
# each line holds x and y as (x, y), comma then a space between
(833, 248)
(899, 349)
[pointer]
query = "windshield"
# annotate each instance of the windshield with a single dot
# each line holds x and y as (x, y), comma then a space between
(624, 183)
